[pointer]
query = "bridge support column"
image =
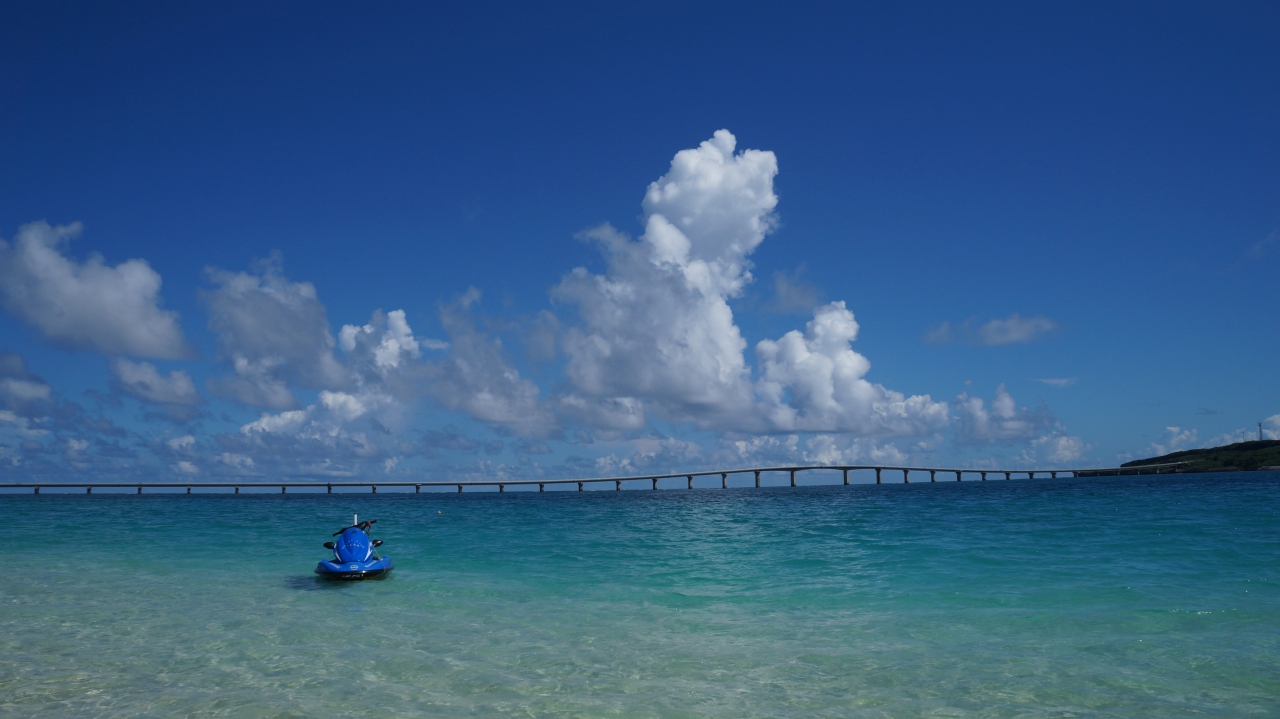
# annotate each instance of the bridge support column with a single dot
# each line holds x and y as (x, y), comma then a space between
(37, 489)
(1008, 475)
(724, 480)
(237, 489)
(655, 482)
(1053, 475)
(282, 488)
(757, 478)
(691, 481)
(877, 475)
(375, 489)
(793, 478)
(933, 475)
(459, 489)
(1031, 475)
(579, 486)
(906, 476)
(188, 490)
(984, 476)
(846, 478)
(617, 485)
(958, 476)
(502, 487)
(328, 489)
(417, 489)
(139, 489)
(89, 490)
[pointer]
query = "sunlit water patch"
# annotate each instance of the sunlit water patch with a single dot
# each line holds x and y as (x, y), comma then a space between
(1124, 597)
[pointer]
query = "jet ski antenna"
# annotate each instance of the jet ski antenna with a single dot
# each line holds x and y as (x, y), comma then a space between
(354, 517)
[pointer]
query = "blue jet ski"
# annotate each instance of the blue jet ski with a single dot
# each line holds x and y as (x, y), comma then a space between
(353, 555)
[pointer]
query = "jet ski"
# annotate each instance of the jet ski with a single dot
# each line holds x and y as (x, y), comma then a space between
(353, 555)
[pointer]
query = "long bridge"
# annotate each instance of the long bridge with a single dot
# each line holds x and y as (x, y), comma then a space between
(502, 484)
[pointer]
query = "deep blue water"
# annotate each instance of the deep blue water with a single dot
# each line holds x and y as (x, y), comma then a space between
(1112, 597)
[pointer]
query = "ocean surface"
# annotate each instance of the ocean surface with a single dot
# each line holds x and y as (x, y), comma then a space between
(1152, 596)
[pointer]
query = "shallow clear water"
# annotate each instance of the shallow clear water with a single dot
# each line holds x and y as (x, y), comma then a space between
(1124, 597)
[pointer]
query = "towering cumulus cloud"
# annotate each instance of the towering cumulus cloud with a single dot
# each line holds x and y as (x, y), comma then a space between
(657, 333)
(657, 329)
(88, 305)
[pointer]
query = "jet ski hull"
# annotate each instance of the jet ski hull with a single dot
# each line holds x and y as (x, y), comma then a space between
(371, 569)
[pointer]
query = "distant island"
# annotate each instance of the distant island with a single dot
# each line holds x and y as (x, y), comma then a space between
(1241, 456)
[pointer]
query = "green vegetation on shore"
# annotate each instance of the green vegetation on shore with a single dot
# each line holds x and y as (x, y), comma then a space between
(1240, 456)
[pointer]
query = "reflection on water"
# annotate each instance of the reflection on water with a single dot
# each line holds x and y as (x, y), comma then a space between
(308, 583)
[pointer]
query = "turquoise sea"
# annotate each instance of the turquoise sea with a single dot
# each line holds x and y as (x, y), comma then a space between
(1154, 596)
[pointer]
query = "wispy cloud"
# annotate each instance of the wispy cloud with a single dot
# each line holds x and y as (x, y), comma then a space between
(1014, 329)
(1056, 381)
(791, 294)
(1268, 245)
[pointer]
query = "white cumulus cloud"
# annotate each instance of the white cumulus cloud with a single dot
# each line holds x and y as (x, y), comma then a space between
(1059, 447)
(832, 449)
(1003, 421)
(236, 461)
(275, 335)
(387, 340)
(1270, 430)
(660, 455)
(341, 434)
(182, 444)
(86, 305)
(143, 381)
(657, 327)
(289, 421)
(476, 378)
(1175, 439)
(657, 335)
(814, 381)
(829, 449)
(349, 407)
(20, 390)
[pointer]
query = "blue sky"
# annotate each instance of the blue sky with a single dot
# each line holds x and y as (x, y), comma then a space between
(326, 240)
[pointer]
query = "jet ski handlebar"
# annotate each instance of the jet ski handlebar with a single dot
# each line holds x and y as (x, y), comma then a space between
(363, 526)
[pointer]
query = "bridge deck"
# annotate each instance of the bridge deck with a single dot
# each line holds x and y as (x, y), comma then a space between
(502, 484)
